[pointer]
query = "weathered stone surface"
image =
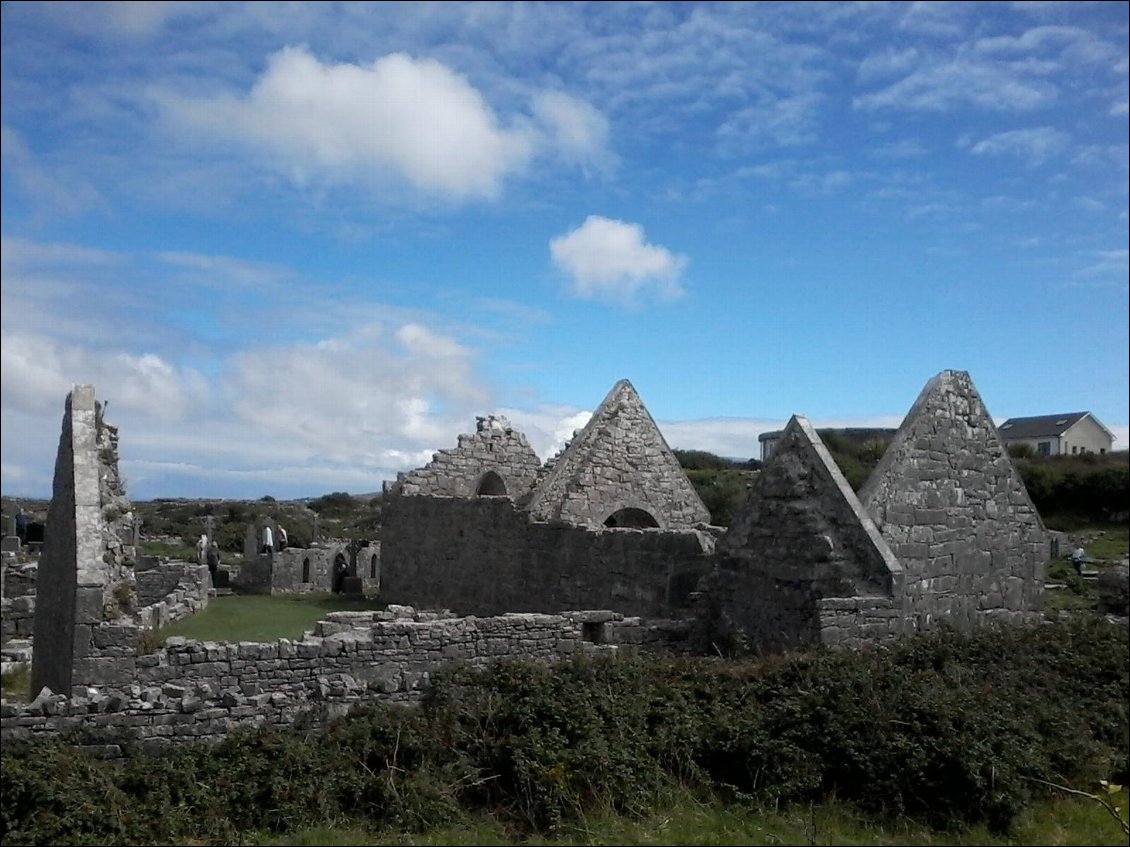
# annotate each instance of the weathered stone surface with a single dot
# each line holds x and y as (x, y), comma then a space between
(800, 538)
(619, 461)
(496, 460)
(952, 507)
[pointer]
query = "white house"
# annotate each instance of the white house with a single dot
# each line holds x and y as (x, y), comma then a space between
(1056, 435)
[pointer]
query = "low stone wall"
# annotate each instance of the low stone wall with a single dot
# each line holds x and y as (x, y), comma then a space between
(188, 596)
(483, 556)
(854, 622)
(19, 578)
(193, 690)
(17, 618)
(156, 578)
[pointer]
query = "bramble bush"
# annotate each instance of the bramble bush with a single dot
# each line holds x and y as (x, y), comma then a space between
(950, 729)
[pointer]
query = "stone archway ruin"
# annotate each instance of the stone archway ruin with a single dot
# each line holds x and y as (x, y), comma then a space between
(631, 518)
(491, 485)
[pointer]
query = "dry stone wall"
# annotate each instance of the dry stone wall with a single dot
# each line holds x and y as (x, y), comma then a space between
(495, 460)
(192, 691)
(948, 501)
(486, 557)
(619, 461)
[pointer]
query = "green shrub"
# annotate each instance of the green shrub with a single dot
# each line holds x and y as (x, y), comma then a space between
(948, 729)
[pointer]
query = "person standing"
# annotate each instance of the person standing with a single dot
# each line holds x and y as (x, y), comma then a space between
(213, 560)
(282, 537)
(202, 549)
(268, 540)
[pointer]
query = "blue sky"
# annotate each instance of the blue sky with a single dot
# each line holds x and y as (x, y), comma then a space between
(300, 247)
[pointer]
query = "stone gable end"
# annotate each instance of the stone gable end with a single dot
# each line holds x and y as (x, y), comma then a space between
(619, 463)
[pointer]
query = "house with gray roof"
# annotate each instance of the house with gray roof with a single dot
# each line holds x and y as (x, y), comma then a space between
(1067, 434)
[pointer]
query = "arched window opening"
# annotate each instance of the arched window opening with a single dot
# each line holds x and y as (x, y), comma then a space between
(491, 485)
(631, 519)
(373, 567)
(306, 569)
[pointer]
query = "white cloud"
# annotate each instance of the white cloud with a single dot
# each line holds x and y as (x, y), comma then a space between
(412, 117)
(610, 260)
(397, 118)
(548, 427)
(1035, 146)
(352, 398)
(55, 192)
(579, 132)
(39, 372)
(779, 121)
(943, 85)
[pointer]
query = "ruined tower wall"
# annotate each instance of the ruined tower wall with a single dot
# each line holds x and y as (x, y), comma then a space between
(620, 460)
(484, 556)
(952, 507)
(495, 447)
(85, 584)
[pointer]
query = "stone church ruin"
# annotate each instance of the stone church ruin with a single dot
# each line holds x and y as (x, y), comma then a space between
(605, 546)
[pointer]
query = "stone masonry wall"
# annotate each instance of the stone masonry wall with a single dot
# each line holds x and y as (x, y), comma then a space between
(620, 460)
(484, 556)
(495, 448)
(952, 507)
(192, 691)
(800, 538)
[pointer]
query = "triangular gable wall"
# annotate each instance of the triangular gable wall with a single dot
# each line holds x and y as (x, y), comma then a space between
(801, 541)
(802, 522)
(620, 460)
(951, 505)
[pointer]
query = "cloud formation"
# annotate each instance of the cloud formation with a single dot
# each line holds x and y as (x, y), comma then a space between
(607, 259)
(1035, 146)
(411, 119)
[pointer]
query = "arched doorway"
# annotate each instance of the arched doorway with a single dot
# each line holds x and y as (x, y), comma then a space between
(631, 519)
(491, 485)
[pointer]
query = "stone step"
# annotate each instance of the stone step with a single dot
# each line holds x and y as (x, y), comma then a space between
(219, 592)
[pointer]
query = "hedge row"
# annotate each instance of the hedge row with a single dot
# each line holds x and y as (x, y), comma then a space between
(951, 729)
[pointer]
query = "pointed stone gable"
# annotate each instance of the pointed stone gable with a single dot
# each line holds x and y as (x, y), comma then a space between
(948, 501)
(618, 462)
(85, 585)
(802, 522)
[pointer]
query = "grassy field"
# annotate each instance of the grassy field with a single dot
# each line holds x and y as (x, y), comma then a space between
(1058, 821)
(263, 617)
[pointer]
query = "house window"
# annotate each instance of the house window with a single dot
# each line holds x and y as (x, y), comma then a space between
(1074, 449)
(1044, 448)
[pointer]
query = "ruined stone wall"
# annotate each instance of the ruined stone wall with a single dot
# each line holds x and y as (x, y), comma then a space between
(294, 563)
(485, 556)
(156, 578)
(620, 460)
(19, 578)
(952, 507)
(495, 448)
(85, 580)
(191, 691)
(800, 538)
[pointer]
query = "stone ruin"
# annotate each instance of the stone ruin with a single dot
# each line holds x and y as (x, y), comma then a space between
(943, 531)
(87, 618)
(570, 535)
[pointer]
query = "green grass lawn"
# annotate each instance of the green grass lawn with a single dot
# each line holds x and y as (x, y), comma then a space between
(264, 617)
